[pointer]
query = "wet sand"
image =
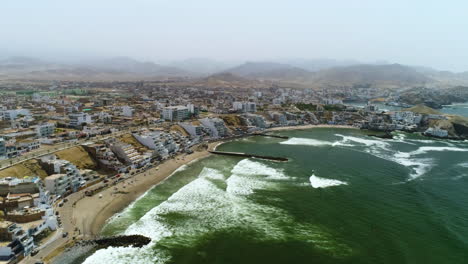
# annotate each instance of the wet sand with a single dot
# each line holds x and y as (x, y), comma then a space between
(91, 213)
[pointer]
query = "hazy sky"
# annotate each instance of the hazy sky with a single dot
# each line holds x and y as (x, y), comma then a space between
(417, 32)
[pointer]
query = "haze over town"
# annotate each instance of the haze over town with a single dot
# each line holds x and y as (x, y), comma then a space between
(425, 33)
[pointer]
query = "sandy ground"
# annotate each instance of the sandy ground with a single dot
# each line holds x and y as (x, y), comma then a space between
(91, 213)
(308, 127)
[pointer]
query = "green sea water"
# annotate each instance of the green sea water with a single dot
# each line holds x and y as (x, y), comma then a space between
(343, 197)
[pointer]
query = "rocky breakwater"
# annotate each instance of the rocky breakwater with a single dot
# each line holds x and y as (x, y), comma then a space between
(122, 241)
(81, 249)
(116, 241)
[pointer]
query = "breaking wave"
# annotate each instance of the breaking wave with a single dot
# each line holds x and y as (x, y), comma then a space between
(306, 142)
(205, 207)
(317, 182)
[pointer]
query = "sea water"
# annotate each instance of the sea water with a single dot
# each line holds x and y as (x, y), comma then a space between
(343, 197)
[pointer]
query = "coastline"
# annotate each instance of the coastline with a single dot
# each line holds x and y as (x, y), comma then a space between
(92, 213)
(308, 127)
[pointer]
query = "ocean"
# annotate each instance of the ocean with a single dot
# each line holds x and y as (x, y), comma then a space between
(343, 197)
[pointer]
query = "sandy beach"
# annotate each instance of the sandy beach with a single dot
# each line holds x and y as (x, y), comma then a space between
(91, 213)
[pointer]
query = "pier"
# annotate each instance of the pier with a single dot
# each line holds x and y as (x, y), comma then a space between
(246, 155)
(269, 135)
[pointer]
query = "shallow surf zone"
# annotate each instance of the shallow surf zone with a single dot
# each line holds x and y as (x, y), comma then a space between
(415, 160)
(306, 142)
(219, 202)
(317, 182)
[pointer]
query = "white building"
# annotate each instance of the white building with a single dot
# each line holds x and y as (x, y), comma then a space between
(216, 127)
(78, 119)
(129, 154)
(437, 132)
(193, 130)
(58, 166)
(406, 117)
(127, 111)
(162, 143)
(175, 113)
(245, 106)
(45, 130)
(57, 184)
(14, 113)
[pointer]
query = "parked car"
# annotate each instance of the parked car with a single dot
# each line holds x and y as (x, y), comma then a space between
(65, 234)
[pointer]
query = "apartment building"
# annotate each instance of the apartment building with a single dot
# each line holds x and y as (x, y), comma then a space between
(78, 119)
(45, 130)
(216, 127)
(175, 113)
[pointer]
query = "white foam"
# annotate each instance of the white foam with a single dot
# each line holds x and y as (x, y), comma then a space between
(208, 208)
(424, 150)
(248, 176)
(317, 182)
(306, 142)
(364, 141)
(419, 166)
(464, 165)
(250, 167)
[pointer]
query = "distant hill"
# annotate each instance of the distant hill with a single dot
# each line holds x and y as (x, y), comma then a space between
(201, 65)
(314, 65)
(119, 68)
(124, 64)
(271, 71)
(225, 77)
(228, 80)
(388, 75)
(422, 109)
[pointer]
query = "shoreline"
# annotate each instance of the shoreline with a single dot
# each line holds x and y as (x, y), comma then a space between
(308, 127)
(92, 212)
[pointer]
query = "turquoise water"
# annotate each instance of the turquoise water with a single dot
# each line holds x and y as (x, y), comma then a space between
(343, 197)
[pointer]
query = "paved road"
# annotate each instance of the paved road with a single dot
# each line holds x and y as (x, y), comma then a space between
(66, 215)
(41, 152)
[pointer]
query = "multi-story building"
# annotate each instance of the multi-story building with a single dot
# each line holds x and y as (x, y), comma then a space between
(193, 130)
(45, 130)
(437, 132)
(10, 115)
(127, 111)
(56, 166)
(78, 119)
(3, 150)
(162, 143)
(216, 127)
(128, 153)
(58, 184)
(175, 113)
(18, 242)
(245, 106)
(255, 120)
(15, 185)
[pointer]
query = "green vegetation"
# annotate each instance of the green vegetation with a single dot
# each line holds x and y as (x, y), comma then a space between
(335, 107)
(306, 107)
